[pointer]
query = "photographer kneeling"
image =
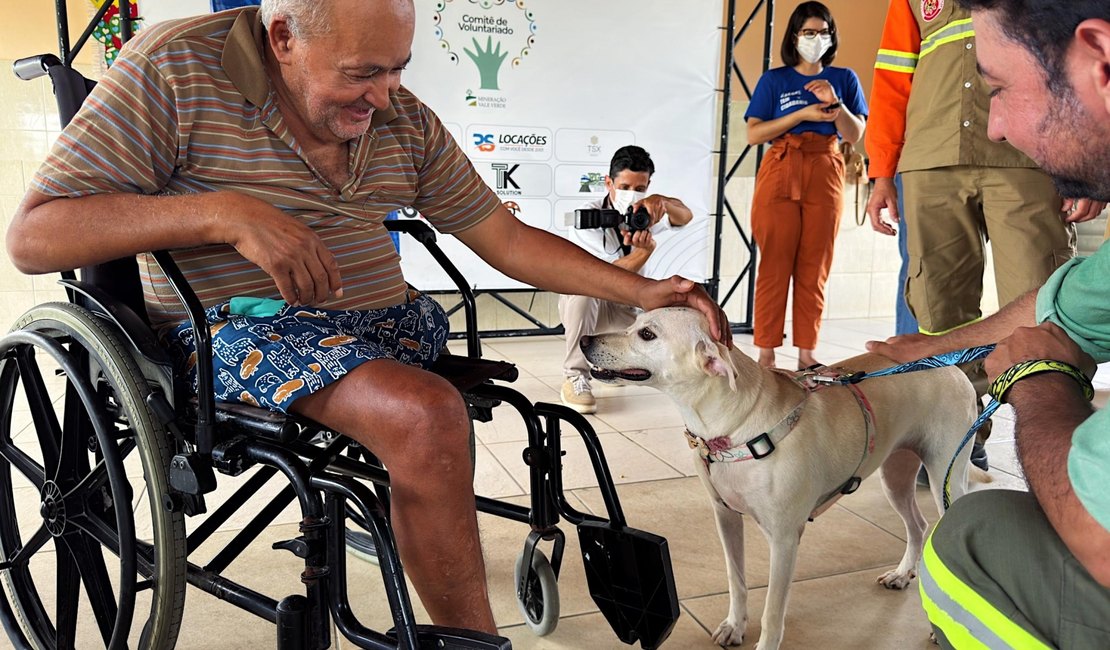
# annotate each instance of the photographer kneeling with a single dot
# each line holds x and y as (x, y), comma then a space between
(627, 244)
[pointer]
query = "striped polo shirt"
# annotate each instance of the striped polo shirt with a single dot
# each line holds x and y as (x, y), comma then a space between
(187, 107)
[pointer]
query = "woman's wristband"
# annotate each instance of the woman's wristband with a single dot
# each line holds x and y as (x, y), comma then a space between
(1004, 382)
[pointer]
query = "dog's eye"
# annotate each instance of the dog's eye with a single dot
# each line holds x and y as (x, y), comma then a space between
(647, 334)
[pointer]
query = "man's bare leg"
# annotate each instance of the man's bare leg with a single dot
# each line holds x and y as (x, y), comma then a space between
(416, 424)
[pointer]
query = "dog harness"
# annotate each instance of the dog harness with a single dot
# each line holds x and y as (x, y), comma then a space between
(811, 380)
(723, 450)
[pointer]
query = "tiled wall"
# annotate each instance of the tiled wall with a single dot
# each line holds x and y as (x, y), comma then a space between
(28, 125)
(862, 284)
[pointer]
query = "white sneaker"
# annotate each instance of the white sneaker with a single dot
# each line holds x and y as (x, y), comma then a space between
(577, 395)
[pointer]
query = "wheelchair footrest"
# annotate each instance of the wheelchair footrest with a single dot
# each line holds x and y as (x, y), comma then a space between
(434, 637)
(631, 580)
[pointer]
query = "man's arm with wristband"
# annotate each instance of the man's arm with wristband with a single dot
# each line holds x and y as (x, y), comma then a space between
(1044, 375)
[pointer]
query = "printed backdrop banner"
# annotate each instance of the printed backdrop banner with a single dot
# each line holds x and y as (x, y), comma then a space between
(540, 93)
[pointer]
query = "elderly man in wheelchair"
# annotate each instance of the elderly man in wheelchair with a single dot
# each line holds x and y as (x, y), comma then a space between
(264, 147)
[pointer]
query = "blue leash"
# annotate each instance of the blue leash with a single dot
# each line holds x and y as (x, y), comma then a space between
(939, 361)
(988, 411)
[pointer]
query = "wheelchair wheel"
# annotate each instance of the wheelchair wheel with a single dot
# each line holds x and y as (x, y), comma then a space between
(70, 521)
(539, 603)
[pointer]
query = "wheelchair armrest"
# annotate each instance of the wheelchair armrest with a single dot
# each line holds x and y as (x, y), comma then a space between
(202, 339)
(464, 373)
(424, 234)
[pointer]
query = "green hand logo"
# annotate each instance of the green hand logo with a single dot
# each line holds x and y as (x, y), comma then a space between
(488, 62)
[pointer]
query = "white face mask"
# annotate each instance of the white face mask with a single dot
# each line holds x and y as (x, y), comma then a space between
(812, 49)
(622, 199)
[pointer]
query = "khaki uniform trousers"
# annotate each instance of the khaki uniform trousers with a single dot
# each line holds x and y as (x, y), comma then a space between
(585, 316)
(952, 212)
(795, 217)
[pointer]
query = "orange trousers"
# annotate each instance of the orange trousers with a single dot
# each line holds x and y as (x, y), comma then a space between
(795, 217)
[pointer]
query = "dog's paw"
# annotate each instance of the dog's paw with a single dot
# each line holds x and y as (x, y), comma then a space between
(897, 580)
(730, 633)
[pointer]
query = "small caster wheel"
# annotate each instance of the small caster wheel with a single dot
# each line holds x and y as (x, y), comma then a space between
(539, 602)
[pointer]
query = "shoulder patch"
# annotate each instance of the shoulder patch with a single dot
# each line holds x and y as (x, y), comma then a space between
(930, 9)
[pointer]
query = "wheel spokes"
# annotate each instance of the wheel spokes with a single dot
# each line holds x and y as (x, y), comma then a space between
(26, 465)
(42, 410)
(23, 556)
(68, 585)
(94, 576)
(97, 477)
(77, 431)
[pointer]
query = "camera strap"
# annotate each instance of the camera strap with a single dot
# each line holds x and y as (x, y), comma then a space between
(625, 250)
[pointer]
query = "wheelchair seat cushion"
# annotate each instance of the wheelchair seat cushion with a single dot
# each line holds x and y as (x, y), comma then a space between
(271, 361)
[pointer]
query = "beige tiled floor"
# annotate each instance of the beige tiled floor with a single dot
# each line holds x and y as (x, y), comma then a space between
(835, 602)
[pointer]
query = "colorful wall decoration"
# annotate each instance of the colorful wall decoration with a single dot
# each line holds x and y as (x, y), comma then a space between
(109, 29)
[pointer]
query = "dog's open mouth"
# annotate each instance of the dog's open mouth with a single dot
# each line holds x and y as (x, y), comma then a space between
(628, 374)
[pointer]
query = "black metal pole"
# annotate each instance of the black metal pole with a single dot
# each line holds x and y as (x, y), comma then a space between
(722, 164)
(62, 12)
(124, 21)
(768, 38)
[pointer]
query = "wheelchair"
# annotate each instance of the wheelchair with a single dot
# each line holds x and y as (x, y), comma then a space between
(118, 452)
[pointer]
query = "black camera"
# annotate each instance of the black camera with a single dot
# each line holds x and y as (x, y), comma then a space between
(632, 220)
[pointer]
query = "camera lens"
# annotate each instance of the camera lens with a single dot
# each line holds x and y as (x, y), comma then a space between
(639, 220)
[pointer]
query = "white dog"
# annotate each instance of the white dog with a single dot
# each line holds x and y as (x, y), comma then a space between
(809, 442)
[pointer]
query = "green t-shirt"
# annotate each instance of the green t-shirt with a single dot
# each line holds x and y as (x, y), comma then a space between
(1077, 298)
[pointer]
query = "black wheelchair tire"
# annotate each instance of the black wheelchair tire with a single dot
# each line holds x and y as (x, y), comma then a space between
(165, 561)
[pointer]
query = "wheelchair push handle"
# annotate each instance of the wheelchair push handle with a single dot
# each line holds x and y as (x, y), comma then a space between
(33, 67)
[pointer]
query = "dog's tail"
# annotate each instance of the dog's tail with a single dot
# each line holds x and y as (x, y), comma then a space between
(977, 475)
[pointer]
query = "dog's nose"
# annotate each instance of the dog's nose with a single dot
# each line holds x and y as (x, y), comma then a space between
(585, 341)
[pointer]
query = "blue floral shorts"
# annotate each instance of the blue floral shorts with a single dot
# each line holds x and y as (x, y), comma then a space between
(272, 361)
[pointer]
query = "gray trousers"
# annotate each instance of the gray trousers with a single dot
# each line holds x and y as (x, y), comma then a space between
(585, 316)
(1000, 546)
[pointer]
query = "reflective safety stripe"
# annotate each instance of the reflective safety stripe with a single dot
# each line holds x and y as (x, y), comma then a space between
(896, 61)
(966, 618)
(960, 628)
(954, 31)
(926, 332)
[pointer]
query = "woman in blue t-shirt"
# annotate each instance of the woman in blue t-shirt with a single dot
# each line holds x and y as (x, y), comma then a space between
(802, 109)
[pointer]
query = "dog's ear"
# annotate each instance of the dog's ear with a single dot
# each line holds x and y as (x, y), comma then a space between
(716, 361)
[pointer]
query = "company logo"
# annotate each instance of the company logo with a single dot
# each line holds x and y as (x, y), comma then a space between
(591, 182)
(593, 146)
(930, 9)
(518, 143)
(504, 174)
(484, 142)
(489, 32)
(515, 180)
(522, 142)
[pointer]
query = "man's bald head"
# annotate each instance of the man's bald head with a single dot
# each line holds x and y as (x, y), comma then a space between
(307, 18)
